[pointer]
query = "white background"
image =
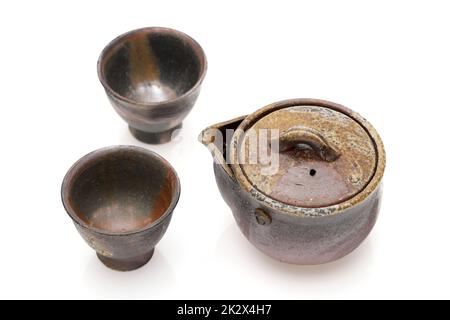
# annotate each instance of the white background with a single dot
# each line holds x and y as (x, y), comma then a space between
(388, 60)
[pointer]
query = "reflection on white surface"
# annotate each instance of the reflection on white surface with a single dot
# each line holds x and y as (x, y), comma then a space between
(153, 279)
(347, 271)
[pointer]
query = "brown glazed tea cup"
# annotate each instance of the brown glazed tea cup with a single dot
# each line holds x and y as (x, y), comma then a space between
(152, 76)
(121, 200)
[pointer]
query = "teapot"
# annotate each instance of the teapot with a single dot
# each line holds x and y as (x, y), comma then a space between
(302, 177)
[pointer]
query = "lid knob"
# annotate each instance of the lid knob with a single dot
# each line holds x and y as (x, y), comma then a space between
(298, 136)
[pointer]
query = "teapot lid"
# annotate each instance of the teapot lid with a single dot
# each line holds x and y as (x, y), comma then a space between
(305, 153)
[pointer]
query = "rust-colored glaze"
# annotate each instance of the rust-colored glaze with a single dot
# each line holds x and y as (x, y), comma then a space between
(121, 200)
(143, 66)
(305, 234)
(152, 77)
(325, 156)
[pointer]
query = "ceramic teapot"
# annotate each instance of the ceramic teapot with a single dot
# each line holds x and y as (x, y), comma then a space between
(302, 178)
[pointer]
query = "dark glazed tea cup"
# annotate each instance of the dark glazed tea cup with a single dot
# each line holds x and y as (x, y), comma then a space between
(152, 77)
(121, 200)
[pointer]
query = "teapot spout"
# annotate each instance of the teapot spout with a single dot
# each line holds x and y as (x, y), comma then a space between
(217, 139)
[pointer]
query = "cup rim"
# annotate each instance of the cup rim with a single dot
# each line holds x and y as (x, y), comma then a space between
(162, 30)
(92, 156)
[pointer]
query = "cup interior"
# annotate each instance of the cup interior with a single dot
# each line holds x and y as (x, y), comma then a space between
(120, 190)
(152, 65)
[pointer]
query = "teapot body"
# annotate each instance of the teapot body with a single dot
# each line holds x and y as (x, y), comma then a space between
(323, 198)
(296, 239)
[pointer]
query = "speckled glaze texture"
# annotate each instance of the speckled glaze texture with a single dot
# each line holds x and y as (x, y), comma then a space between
(155, 124)
(152, 76)
(121, 200)
(125, 252)
(299, 240)
(289, 233)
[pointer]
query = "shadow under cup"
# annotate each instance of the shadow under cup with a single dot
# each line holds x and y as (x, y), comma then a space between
(121, 200)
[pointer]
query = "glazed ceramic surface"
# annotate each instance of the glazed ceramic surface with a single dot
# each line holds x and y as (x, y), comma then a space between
(324, 199)
(152, 77)
(121, 200)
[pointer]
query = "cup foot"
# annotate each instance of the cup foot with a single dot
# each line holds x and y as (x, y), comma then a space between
(126, 264)
(154, 137)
